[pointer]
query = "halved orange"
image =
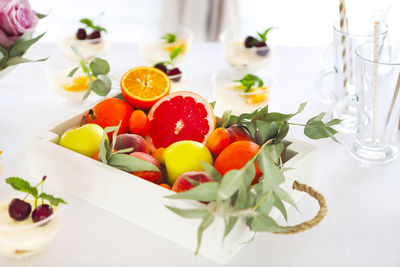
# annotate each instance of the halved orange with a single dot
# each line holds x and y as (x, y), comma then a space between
(144, 86)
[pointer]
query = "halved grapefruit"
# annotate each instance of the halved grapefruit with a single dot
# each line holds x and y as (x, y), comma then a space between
(180, 116)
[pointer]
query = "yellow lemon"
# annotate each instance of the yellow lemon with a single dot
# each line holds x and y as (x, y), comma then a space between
(185, 156)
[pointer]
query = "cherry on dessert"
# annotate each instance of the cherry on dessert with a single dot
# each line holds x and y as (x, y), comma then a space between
(161, 67)
(250, 41)
(174, 72)
(19, 210)
(42, 212)
(94, 35)
(263, 48)
(81, 34)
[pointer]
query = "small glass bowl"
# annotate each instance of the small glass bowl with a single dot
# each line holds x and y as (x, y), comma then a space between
(230, 97)
(241, 58)
(19, 240)
(155, 50)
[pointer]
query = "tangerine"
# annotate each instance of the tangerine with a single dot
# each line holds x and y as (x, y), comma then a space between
(139, 123)
(235, 156)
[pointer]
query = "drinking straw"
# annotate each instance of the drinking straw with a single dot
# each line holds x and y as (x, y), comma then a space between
(343, 19)
(396, 93)
(375, 78)
(350, 45)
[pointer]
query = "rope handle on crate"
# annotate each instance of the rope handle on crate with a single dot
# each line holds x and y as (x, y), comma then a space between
(323, 209)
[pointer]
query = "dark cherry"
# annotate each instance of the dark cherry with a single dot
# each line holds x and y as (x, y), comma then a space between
(250, 41)
(19, 210)
(264, 48)
(81, 34)
(161, 67)
(94, 35)
(42, 212)
(174, 72)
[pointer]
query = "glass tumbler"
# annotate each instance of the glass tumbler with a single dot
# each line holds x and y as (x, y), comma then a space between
(378, 83)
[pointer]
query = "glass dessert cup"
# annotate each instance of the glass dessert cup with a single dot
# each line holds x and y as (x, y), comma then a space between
(89, 48)
(57, 69)
(21, 239)
(241, 58)
(231, 95)
(155, 50)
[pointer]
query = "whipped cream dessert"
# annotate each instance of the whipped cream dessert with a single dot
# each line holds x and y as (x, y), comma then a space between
(232, 97)
(242, 58)
(19, 239)
(71, 88)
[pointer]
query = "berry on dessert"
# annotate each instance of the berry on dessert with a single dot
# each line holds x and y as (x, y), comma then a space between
(81, 34)
(42, 212)
(19, 210)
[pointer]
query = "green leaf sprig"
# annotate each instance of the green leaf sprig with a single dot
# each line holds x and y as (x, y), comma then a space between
(89, 24)
(22, 185)
(172, 56)
(233, 197)
(97, 68)
(13, 55)
(169, 38)
(250, 80)
(263, 35)
(118, 159)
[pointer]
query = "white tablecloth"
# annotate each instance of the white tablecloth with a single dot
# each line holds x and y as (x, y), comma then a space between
(361, 228)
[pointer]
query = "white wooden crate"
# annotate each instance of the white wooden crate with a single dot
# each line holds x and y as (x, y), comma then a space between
(142, 202)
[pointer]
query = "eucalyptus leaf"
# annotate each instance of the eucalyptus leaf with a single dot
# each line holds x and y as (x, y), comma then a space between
(212, 104)
(131, 164)
(105, 151)
(267, 130)
(265, 202)
(317, 118)
(225, 118)
(72, 72)
(189, 214)
(99, 66)
(316, 130)
(274, 151)
(210, 169)
(190, 180)
(230, 183)
(279, 205)
(19, 60)
(283, 195)
(125, 150)
(333, 122)
(283, 131)
(100, 87)
(76, 51)
(203, 192)
(264, 223)
(86, 94)
(40, 15)
(207, 221)
(22, 44)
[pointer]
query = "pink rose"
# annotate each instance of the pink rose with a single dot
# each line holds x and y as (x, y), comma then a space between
(16, 18)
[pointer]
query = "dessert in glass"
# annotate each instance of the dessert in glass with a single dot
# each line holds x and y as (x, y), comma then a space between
(28, 223)
(88, 38)
(241, 93)
(157, 44)
(67, 89)
(246, 54)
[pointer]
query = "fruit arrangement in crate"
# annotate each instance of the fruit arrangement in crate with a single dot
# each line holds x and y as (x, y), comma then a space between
(228, 168)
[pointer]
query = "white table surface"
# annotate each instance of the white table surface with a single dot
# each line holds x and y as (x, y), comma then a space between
(361, 228)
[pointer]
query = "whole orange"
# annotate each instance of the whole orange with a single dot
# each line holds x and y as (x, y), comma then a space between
(110, 112)
(235, 156)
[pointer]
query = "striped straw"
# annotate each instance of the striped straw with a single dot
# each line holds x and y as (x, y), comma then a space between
(375, 79)
(343, 19)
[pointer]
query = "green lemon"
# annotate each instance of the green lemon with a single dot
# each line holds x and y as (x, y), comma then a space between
(84, 140)
(185, 156)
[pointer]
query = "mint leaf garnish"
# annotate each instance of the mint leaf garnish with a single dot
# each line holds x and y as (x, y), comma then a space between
(22, 185)
(175, 52)
(55, 201)
(169, 38)
(249, 81)
(263, 35)
(89, 23)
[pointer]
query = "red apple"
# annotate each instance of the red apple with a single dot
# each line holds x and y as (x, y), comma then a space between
(151, 176)
(181, 184)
